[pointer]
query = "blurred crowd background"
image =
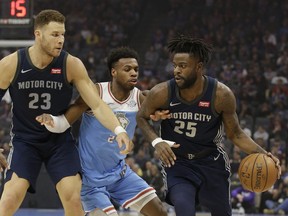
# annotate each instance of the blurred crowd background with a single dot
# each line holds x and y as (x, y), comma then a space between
(250, 40)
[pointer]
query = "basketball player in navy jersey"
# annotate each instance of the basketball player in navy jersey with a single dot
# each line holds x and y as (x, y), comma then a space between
(197, 168)
(106, 176)
(40, 79)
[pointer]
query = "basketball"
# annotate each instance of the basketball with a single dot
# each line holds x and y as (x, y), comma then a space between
(257, 172)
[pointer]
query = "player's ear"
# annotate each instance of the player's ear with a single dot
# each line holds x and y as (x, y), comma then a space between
(200, 65)
(113, 72)
(37, 33)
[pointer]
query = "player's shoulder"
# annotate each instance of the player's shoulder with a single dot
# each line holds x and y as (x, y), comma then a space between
(8, 64)
(71, 59)
(10, 59)
(223, 90)
(160, 88)
(225, 98)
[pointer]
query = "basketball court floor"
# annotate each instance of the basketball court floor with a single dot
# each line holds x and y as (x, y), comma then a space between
(60, 212)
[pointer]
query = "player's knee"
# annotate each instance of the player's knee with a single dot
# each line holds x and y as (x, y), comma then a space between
(10, 202)
(163, 211)
(183, 206)
(73, 200)
(99, 212)
(154, 207)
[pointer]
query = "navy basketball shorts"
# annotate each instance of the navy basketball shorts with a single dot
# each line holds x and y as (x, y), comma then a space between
(203, 181)
(59, 154)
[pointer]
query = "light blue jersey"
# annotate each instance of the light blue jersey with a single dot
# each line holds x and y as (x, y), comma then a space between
(99, 152)
(105, 174)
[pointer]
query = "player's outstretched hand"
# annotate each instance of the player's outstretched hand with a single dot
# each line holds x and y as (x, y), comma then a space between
(45, 119)
(123, 139)
(160, 115)
(277, 162)
(165, 153)
(3, 161)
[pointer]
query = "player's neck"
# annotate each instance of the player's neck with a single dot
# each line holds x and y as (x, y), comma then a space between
(191, 93)
(118, 92)
(38, 58)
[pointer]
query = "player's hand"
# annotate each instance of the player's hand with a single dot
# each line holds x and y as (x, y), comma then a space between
(3, 161)
(123, 139)
(165, 153)
(160, 115)
(277, 162)
(45, 119)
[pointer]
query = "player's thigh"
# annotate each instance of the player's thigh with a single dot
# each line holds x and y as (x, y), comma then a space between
(129, 189)
(64, 162)
(25, 161)
(99, 212)
(69, 187)
(96, 197)
(215, 194)
(183, 197)
(152, 205)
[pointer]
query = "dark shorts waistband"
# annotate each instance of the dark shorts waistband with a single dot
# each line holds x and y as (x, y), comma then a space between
(198, 155)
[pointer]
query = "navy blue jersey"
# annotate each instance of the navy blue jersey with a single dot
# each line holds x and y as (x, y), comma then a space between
(36, 91)
(195, 125)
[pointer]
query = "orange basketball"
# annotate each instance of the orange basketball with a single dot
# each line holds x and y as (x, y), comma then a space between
(257, 172)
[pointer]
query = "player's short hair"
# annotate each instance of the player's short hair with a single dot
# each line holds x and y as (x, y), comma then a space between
(47, 16)
(193, 46)
(119, 53)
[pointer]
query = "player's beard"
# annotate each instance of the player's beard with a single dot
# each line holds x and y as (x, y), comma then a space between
(187, 82)
(46, 47)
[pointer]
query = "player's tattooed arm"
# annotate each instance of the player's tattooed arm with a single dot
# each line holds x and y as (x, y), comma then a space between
(225, 104)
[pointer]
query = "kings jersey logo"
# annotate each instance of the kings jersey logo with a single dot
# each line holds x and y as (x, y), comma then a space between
(204, 104)
(56, 71)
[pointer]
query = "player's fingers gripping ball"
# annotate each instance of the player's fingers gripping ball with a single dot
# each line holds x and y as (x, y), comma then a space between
(257, 172)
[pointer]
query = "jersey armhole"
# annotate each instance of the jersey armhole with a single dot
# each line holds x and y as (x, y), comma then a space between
(18, 66)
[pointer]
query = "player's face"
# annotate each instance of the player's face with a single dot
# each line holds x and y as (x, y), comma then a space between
(186, 70)
(52, 38)
(125, 73)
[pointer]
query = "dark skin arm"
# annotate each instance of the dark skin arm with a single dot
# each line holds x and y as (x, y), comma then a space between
(225, 103)
(75, 110)
(159, 114)
(3, 161)
(148, 107)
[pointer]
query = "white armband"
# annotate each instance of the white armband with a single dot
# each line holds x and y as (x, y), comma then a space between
(158, 140)
(119, 130)
(60, 124)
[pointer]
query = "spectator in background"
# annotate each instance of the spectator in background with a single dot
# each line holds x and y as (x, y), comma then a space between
(261, 133)
(244, 198)
(278, 204)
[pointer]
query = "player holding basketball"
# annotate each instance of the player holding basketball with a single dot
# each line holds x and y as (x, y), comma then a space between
(105, 174)
(40, 80)
(197, 167)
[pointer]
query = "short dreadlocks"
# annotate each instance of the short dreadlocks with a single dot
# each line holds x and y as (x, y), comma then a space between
(193, 46)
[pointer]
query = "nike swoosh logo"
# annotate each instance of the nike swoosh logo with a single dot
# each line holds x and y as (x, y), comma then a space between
(215, 158)
(174, 104)
(25, 71)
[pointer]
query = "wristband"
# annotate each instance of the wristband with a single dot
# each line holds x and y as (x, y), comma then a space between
(119, 130)
(158, 140)
(60, 124)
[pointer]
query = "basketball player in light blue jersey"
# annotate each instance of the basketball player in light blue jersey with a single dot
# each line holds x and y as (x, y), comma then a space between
(106, 176)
